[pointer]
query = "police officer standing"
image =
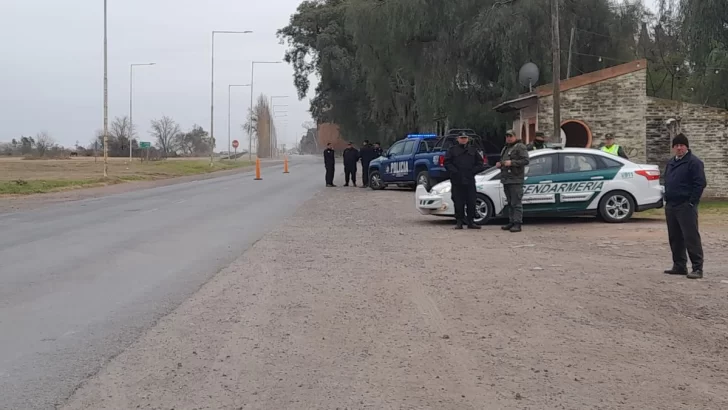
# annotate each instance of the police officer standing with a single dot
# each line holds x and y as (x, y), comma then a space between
(367, 155)
(611, 148)
(514, 159)
(329, 161)
(463, 162)
(684, 185)
(351, 156)
(539, 142)
(378, 151)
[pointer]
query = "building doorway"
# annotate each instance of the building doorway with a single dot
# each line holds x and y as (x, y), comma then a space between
(578, 134)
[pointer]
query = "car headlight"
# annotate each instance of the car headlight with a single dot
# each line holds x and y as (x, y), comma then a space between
(442, 188)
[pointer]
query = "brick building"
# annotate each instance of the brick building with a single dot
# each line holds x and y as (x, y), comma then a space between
(615, 100)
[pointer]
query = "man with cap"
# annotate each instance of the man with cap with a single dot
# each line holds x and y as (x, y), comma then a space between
(684, 185)
(378, 151)
(366, 155)
(611, 148)
(539, 142)
(463, 162)
(513, 162)
(351, 156)
(329, 161)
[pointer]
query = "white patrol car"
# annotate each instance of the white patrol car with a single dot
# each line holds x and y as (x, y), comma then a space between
(568, 181)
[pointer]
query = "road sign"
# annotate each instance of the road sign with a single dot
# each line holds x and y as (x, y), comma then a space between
(145, 144)
(235, 144)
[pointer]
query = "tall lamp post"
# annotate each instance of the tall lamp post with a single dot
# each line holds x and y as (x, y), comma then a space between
(229, 92)
(252, 82)
(270, 127)
(106, 98)
(131, 112)
(212, 88)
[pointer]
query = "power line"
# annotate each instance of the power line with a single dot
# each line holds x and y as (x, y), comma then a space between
(677, 66)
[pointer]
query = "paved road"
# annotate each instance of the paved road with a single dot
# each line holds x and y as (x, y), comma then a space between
(80, 281)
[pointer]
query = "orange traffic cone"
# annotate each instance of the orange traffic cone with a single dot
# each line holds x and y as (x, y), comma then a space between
(257, 169)
(285, 164)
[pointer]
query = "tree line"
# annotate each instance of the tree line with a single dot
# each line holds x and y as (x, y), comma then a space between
(387, 68)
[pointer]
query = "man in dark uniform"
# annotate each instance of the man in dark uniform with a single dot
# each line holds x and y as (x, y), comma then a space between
(329, 161)
(539, 142)
(463, 162)
(684, 185)
(514, 159)
(378, 151)
(367, 155)
(351, 156)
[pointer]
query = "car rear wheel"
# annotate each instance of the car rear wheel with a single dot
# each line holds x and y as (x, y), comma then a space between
(375, 181)
(616, 207)
(483, 209)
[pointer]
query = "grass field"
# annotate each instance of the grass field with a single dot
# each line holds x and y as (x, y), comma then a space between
(711, 211)
(23, 177)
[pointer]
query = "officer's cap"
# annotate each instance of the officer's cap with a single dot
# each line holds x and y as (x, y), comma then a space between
(510, 132)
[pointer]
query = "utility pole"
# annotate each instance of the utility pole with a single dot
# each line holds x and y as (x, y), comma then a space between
(106, 99)
(571, 45)
(556, 50)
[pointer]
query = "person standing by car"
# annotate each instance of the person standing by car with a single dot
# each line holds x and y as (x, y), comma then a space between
(539, 142)
(351, 156)
(378, 151)
(684, 185)
(366, 155)
(329, 161)
(514, 159)
(463, 162)
(611, 148)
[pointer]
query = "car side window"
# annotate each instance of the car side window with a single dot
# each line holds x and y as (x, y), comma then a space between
(424, 147)
(541, 165)
(579, 163)
(409, 147)
(608, 163)
(396, 149)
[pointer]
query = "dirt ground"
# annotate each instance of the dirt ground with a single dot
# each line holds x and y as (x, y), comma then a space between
(358, 302)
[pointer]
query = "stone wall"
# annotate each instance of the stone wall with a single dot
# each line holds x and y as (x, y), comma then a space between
(707, 131)
(615, 105)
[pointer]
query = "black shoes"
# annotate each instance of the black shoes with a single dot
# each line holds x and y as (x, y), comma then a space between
(507, 227)
(676, 271)
(515, 228)
(473, 226)
(459, 224)
(696, 274)
(330, 186)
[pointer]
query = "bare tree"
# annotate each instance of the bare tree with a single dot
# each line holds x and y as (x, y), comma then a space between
(43, 142)
(165, 130)
(120, 128)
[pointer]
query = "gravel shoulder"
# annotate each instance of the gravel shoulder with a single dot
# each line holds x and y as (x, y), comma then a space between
(358, 302)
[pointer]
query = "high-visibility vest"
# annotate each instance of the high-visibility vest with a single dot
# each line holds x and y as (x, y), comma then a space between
(614, 150)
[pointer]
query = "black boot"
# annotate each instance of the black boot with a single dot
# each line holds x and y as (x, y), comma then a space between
(507, 227)
(696, 274)
(472, 225)
(459, 224)
(676, 271)
(516, 228)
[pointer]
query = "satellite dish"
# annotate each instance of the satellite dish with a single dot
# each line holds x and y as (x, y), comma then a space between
(528, 75)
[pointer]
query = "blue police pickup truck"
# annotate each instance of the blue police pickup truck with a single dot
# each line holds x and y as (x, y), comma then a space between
(418, 159)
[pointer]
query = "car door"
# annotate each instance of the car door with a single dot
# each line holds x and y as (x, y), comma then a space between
(537, 195)
(391, 167)
(581, 178)
(405, 161)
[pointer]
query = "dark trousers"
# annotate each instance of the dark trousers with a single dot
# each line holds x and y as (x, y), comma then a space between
(514, 197)
(682, 230)
(350, 172)
(329, 175)
(464, 195)
(365, 174)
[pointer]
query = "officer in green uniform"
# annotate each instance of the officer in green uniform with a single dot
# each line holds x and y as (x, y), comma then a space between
(539, 142)
(514, 159)
(611, 148)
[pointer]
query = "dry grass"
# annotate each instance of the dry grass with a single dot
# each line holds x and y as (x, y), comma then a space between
(712, 212)
(21, 177)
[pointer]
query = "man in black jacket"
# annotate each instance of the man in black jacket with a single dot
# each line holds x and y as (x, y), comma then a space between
(351, 156)
(684, 185)
(367, 155)
(378, 151)
(329, 161)
(463, 162)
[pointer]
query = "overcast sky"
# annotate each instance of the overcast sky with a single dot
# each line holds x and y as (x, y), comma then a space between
(52, 58)
(52, 75)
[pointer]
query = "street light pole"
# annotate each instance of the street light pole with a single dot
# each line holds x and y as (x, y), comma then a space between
(212, 88)
(252, 82)
(230, 86)
(106, 98)
(131, 112)
(270, 126)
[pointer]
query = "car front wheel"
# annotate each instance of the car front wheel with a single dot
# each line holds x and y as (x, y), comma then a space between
(616, 207)
(483, 209)
(375, 181)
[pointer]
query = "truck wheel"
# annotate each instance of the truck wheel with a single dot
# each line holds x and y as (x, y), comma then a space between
(375, 181)
(423, 178)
